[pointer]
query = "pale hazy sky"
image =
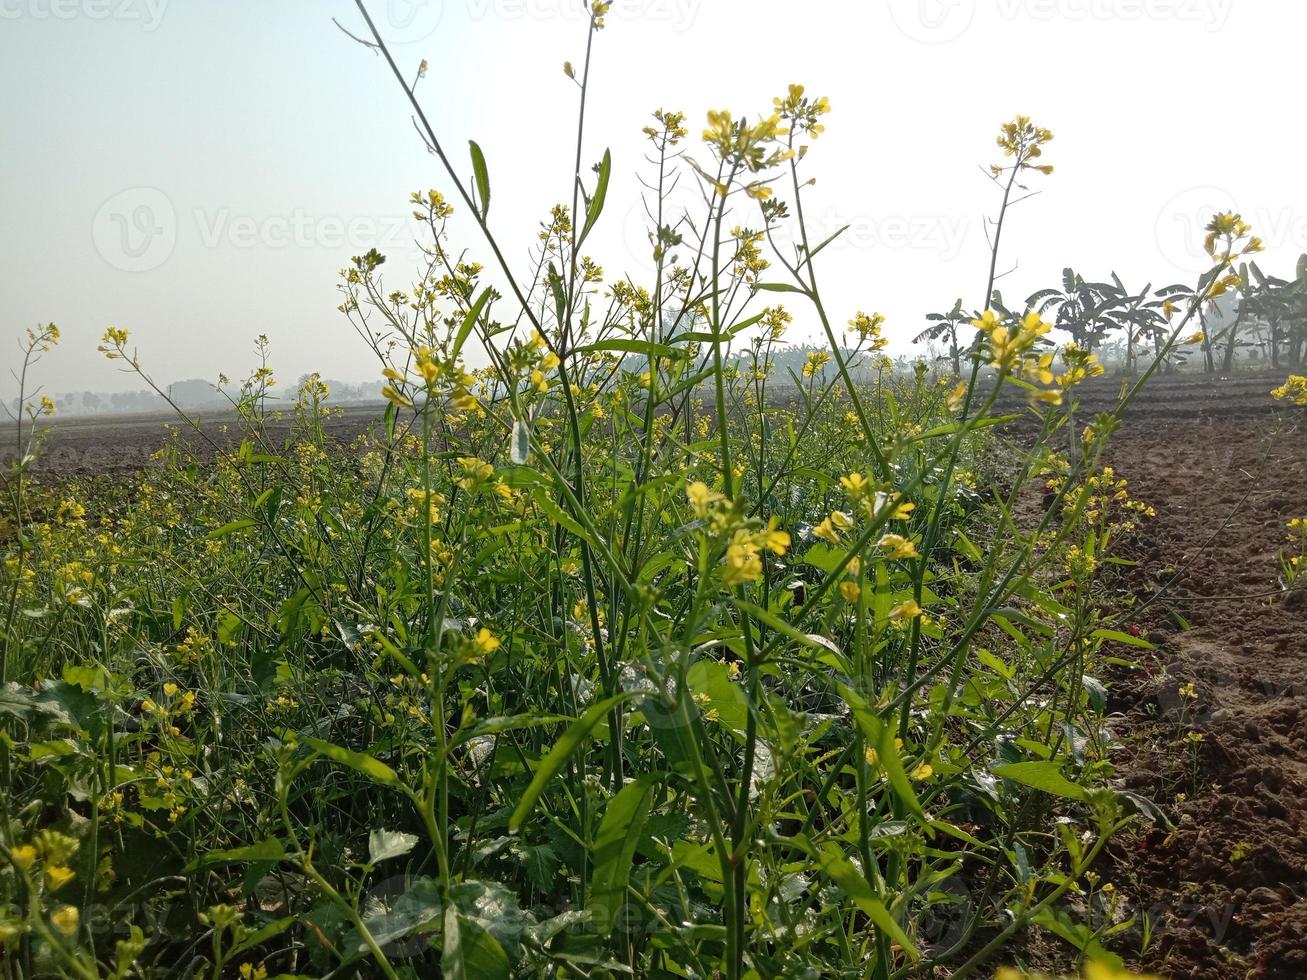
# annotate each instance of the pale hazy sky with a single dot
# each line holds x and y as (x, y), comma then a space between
(199, 170)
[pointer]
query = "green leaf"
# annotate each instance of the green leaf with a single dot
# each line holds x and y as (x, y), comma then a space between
(813, 640)
(542, 863)
(614, 847)
(823, 556)
(881, 736)
(950, 427)
(271, 849)
(520, 442)
(260, 936)
(546, 503)
(482, 177)
(779, 287)
(1045, 776)
(841, 871)
(556, 288)
(1079, 935)
(505, 723)
(230, 528)
(597, 202)
(417, 910)
(358, 761)
(469, 320)
(470, 953)
(386, 844)
(716, 694)
(625, 345)
(553, 761)
(1117, 636)
(88, 677)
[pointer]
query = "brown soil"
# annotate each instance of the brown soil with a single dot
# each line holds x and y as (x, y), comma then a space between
(1226, 887)
(115, 444)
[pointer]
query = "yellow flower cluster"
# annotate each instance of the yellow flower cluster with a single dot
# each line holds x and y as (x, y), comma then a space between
(42, 338)
(1108, 496)
(54, 851)
(476, 471)
(744, 146)
(176, 704)
(1010, 345)
(433, 204)
(1080, 364)
(774, 320)
(1226, 233)
(195, 647)
(742, 561)
(482, 645)
(1025, 141)
(1294, 390)
(116, 336)
(1080, 564)
(671, 128)
(1295, 556)
(430, 372)
(802, 112)
(423, 505)
(868, 329)
(817, 359)
(749, 262)
(42, 408)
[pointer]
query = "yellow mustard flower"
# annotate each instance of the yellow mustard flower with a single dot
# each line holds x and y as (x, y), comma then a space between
(897, 546)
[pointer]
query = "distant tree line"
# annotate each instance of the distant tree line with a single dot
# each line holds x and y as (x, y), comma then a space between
(191, 394)
(1261, 320)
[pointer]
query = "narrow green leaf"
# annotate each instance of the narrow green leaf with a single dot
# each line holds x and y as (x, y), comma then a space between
(482, 176)
(556, 288)
(1117, 636)
(358, 761)
(563, 748)
(630, 346)
(271, 849)
(840, 870)
(601, 192)
(465, 328)
(1044, 776)
(614, 847)
(230, 528)
(881, 736)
